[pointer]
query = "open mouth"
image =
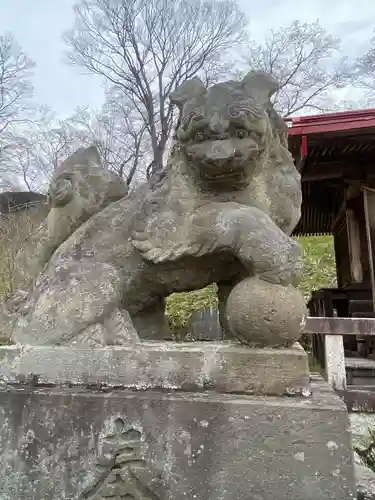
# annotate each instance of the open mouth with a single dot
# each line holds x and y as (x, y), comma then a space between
(225, 163)
(223, 168)
(223, 177)
(223, 174)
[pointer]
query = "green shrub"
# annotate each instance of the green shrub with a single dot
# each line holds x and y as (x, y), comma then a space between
(319, 264)
(181, 306)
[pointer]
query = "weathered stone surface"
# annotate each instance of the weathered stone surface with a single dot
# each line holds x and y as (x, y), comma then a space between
(62, 443)
(365, 479)
(222, 211)
(264, 321)
(223, 367)
(80, 187)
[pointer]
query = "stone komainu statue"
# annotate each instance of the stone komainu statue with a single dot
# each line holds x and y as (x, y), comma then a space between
(221, 212)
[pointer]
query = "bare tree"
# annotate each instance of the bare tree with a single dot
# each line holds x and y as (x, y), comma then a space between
(15, 82)
(35, 149)
(146, 48)
(307, 62)
(118, 134)
(366, 70)
(22, 166)
(15, 92)
(52, 141)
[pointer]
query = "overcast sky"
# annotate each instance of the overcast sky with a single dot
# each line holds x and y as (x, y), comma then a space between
(38, 25)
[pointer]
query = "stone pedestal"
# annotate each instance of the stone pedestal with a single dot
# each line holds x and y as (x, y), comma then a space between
(169, 422)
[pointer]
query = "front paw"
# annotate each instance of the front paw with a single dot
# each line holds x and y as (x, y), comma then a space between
(147, 249)
(279, 262)
(295, 263)
(284, 267)
(283, 276)
(157, 255)
(160, 252)
(17, 303)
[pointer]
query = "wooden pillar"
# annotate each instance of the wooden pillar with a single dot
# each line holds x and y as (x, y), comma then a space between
(355, 254)
(335, 362)
(369, 209)
(342, 253)
(356, 230)
(351, 236)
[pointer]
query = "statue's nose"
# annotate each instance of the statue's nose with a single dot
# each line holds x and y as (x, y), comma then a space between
(220, 152)
(218, 124)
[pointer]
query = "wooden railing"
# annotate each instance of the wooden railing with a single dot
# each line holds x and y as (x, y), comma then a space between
(333, 329)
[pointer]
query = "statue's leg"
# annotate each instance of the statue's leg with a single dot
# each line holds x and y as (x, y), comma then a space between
(69, 301)
(116, 329)
(248, 234)
(261, 246)
(262, 310)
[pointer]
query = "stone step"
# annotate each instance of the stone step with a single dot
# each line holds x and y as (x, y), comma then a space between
(360, 371)
(363, 315)
(360, 306)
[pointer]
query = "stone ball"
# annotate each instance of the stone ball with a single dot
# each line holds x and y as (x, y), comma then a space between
(263, 314)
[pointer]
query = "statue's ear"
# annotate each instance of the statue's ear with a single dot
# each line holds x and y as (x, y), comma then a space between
(188, 90)
(263, 85)
(84, 157)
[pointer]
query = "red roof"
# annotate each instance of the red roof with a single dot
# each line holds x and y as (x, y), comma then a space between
(332, 122)
(325, 148)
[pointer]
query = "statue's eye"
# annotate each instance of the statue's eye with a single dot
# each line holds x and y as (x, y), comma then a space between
(241, 133)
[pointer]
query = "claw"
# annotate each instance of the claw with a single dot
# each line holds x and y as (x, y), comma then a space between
(142, 246)
(162, 257)
(152, 254)
(139, 236)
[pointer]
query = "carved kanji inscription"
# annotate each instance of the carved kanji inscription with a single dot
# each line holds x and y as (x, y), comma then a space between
(119, 467)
